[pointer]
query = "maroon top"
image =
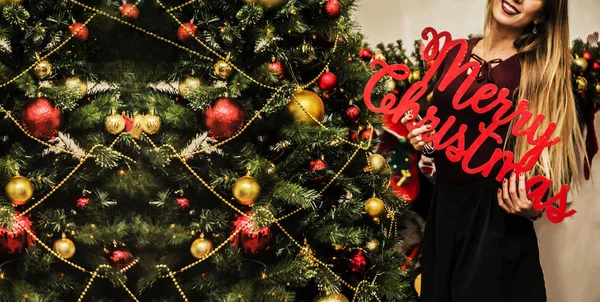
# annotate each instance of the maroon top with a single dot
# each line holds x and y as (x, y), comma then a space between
(506, 74)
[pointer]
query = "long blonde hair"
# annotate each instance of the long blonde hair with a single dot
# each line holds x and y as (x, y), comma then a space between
(546, 82)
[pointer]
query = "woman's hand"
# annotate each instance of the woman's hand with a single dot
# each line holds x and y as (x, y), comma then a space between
(414, 136)
(514, 200)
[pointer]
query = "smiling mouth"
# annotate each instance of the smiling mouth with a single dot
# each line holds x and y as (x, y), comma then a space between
(509, 8)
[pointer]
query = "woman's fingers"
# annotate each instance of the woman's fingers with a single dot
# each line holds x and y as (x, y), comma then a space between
(501, 202)
(524, 203)
(506, 197)
(406, 118)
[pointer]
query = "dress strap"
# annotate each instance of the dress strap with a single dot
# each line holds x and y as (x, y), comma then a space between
(486, 68)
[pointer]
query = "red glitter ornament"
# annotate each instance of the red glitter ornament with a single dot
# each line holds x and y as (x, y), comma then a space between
(224, 118)
(596, 66)
(15, 239)
(588, 56)
(252, 241)
(186, 31)
(182, 202)
(121, 258)
(129, 10)
(41, 118)
(128, 123)
(79, 30)
(333, 8)
(365, 134)
(352, 113)
(276, 68)
(317, 165)
(327, 81)
(82, 202)
(358, 264)
(365, 54)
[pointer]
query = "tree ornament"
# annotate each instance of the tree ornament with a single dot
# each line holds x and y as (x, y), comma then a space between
(43, 69)
(6, 2)
(120, 258)
(246, 190)
(270, 4)
(151, 123)
(309, 51)
(588, 56)
(137, 128)
(374, 206)
(429, 96)
(186, 31)
(327, 81)
(276, 68)
(417, 285)
(64, 247)
(130, 11)
(333, 8)
(414, 76)
(311, 102)
(201, 247)
(389, 85)
(353, 113)
(13, 239)
(79, 30)
(114, 123)
(19, 190)
(337, 297)
(318, 165)
(183, 202)
(372, 245)
(222, 70)
(41, 118)
(378, 163)
(365, 54)
(579, 65)
(379, 55)
(358, 263)
(76, 84)
(596, 66)
(224, 118)
(598, 88)
(251, 240)
(82, 202)
(581, 84)
(187, 85)
(365, 134)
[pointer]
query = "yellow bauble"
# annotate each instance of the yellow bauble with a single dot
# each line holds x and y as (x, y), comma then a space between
(151, 123)
(390, 85)
(64, 247)
(6, 2)
(379, 55)
(114, 123)
(581, 84)
(338, 297)
(378, 163)
(373, 244)
(374, 206)
(187, 85)
(246, 190)
(19, 190)
(222, 70)
(418, 285)
(414, 76)
(598, 88)
(271, 4)
(43, 69)
(311, 102)
(75, 83)
(137, 129)
(201, 247)
(580, 65)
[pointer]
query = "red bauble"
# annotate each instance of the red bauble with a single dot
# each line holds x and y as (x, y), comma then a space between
(82, 202)
(352, 135)
(186, 31)
(327, 81)
(15, 239)
(596, 66)
(224, 118)
(79, 30)
(588, 56)
(358, 264)
(352, 113)
(121, 258)
(365, 54)
(129, 10)
(317, 165)
(333, 8)
(128, 123)
(252, 241)
(365, 134)
(276, 68)
(41, 118)
(182, 202)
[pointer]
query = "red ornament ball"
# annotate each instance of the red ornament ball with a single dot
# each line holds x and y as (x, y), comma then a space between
(182, 202)
(317, 165)
(79, 30)
(365, 134)
(121, 258)
(15, 239)
(186, 31)
(251, 240)
(327, 81)
(596, 66)
(588, 56)
(82, 202)
(128, 123)
(333, 8)
(358, 263)
(352, 113)
(365, 54)
(276, 68)
(129, 10)
(41, 118)
(224, 118)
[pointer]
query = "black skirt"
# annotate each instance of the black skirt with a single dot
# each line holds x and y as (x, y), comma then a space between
(473, 251)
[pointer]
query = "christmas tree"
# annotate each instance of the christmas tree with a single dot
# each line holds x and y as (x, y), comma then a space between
(198, 151)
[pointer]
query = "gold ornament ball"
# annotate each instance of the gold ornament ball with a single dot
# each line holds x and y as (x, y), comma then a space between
(75, 83)
(337, 297)
(374, 206)
(137, 129)
(222, 70)
(271, 4)
(151, 123)
(414, 76)
(19, 190)
(311, 102)
(378, 163)
(379, 55)
(6, 2)
(114, 124)
(43, 69)
(418, 285)
(201, 247)
(580, 65)
(390, 85)
(373, 244)
(246, 190)
(187, 85)
(581, 84)
(430, 97)
(598, 88)
(64, 247)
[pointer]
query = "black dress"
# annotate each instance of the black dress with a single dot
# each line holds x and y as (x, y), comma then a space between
(473, 251)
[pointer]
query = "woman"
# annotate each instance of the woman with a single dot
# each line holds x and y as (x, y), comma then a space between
(480, 244)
